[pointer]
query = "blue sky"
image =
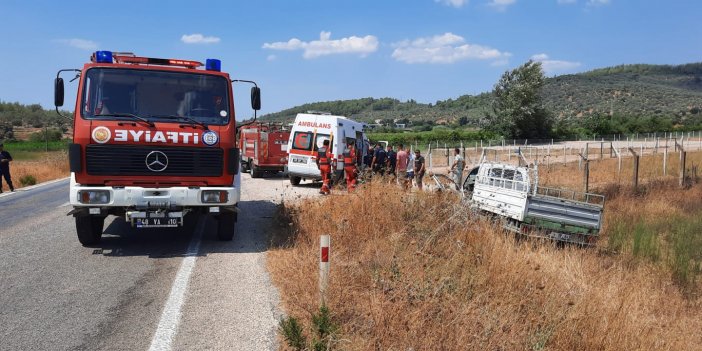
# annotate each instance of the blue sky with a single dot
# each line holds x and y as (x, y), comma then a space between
(306, 51)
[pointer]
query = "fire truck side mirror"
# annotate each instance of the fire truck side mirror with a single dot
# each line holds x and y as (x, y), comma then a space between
(255, 98)
(58, 92)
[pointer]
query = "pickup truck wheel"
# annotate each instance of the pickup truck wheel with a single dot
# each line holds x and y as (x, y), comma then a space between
(89, 229)
(225, 226)
(295, 180)
(255, 172)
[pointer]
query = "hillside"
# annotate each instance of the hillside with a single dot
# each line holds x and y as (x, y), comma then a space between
(630, 91)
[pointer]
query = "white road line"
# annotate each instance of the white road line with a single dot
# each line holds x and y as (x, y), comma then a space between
(63, 205)
(170, 318)
(18, 190)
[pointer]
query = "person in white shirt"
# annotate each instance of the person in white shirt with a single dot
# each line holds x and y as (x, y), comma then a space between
(410, 169)
(457, 167)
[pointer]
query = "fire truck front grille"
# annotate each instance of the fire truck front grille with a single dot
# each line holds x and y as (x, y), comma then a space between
(132, 160)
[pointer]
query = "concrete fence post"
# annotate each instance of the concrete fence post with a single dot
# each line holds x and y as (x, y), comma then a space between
(324, 253)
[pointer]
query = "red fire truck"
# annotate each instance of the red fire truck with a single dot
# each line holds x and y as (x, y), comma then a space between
(154, 140)
(264, 148)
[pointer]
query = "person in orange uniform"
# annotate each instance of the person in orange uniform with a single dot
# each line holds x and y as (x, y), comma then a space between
(350, 165)
(324, 163)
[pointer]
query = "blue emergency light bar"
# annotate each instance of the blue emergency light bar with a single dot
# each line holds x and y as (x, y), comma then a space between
(213, 65)
(103, 56)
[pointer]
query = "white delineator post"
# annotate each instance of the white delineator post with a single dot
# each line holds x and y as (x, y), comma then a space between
(324, 242)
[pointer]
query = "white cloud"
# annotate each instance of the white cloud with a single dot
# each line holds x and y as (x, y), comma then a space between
(198, 38)
(444, 48)
(82, 44)
(597, 2)
(501, 5)
(560, 2)
(326, 46)
(553, 66)
(454, 3)
(271, 58)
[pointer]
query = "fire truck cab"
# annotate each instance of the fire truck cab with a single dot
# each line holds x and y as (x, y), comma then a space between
(264, 148)
(154, 140)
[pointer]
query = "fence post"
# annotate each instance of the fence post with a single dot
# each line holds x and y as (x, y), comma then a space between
(683, 157)
(636, 168)
(564, 154)
(601, 150)
(324, 245)
(665, 158)
(586, 175)
(446, 153)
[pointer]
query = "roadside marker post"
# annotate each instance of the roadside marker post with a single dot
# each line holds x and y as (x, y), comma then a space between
(324, 253)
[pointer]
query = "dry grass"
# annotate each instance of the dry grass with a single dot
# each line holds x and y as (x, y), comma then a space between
(47, 166)
(604, 172)
(417, 271)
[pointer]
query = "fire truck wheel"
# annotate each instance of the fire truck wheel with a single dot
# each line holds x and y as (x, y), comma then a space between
(225, 226)
(255, 172)
(295, 180)
(89, 229)
(245, 166)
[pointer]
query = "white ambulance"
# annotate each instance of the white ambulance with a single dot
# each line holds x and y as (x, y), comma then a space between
(308, 134)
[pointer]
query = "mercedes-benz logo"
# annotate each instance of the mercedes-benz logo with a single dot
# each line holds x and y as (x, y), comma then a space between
(156, 161)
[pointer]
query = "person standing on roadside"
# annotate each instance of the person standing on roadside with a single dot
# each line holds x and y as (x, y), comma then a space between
(5, 160)
(324, 163)
(391, 161)
(419, 168)
(401, 167)
(457, 167)
(378, 164)
(410, 169)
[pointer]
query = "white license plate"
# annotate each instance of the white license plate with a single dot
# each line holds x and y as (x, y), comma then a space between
(299, 160)
(157, 222)
(560, 236)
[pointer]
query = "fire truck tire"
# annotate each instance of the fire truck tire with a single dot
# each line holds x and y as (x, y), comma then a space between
(245, 166)
(295, 180)
(225, 226)
(255, 173)
(89, 229)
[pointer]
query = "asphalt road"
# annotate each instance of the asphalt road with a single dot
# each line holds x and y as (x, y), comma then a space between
(177, 289)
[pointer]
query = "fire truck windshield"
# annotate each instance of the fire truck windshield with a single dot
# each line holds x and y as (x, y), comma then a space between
(111, 93)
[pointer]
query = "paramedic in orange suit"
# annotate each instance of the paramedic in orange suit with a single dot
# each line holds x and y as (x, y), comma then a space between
(324, 163)
(350, 166)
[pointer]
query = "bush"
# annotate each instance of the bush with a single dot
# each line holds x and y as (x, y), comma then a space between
(323, 333)
(28, 180)
(53, 135)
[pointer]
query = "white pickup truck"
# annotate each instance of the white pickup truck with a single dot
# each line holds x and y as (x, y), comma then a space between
(513, 192)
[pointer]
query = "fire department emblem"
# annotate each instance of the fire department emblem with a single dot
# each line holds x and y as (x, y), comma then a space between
(101, 135)
(210, 138)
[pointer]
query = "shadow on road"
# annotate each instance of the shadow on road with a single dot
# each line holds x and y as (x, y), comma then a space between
(253, 234)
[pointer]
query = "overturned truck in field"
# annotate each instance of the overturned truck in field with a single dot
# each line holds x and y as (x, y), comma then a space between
(513, 193)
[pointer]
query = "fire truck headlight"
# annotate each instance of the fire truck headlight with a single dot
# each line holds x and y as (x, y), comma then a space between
(92, 197)
(214, 196)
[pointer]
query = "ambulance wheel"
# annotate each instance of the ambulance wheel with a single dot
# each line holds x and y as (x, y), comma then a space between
(295, 180)
(89, 229)
(225, 226)
(255, 173)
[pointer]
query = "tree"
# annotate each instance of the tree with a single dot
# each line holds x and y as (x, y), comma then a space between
(517, 105)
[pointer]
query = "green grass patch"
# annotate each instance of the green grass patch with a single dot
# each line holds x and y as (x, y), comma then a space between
(675, 242)
(15, 147)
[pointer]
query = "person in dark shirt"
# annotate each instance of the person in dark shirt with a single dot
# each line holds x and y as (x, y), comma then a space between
(391, 161)
(379, 156)
(5, 160)
(419, 168)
